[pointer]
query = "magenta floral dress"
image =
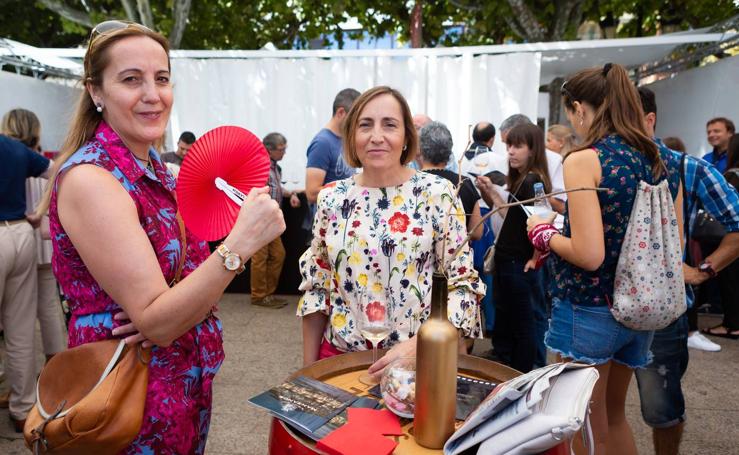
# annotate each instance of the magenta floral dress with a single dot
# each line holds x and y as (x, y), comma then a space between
(179, 395)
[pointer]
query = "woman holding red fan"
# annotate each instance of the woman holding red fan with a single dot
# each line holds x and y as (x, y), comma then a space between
(377, 239)
(117, 237)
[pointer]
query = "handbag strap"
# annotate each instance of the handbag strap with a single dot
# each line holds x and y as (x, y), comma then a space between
(510, 195)
(587, 434)
(183, 250)
(686, 214)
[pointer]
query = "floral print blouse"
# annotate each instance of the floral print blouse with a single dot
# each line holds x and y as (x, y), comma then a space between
(388, 240)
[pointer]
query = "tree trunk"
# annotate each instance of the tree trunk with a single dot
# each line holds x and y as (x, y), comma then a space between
(417, 25)
(566, 12)
(576, 16)
(181, 10)
(144, 7)
(130, 9)
(74, 15)
(533, 31)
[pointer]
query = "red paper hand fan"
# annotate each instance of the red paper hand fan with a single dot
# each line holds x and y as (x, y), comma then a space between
(231, 153)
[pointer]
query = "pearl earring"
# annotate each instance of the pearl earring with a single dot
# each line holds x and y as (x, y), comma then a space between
(99, 107)
(405, 147)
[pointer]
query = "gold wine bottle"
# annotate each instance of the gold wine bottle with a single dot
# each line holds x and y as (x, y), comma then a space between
(436, 372)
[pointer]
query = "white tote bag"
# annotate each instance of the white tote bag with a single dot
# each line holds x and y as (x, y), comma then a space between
(563, 411)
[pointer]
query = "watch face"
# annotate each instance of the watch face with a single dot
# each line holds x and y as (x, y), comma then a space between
(232, 262)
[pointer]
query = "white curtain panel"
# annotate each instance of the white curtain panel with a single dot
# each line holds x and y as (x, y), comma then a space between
(52, 103)
(293, 96)
(687, 101)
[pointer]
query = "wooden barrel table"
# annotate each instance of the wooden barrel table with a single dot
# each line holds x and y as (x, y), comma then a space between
(343, 371)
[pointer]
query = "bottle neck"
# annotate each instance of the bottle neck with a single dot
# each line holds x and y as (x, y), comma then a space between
(439, 296)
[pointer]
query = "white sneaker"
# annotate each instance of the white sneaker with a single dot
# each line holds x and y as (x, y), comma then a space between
(700, 342)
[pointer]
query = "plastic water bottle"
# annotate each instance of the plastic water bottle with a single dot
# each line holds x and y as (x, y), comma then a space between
(541, 206)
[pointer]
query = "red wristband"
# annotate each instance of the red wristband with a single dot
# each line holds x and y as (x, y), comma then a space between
(540, 236)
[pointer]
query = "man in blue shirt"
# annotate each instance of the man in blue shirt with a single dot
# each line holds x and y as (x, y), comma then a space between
(325, 160)
(18, 285)
(719, 131)
(660, 391)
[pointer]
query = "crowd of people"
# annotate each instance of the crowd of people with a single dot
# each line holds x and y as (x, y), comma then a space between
(389, 205)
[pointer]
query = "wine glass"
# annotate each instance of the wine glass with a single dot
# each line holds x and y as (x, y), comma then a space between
(375, 325)
(481, 159)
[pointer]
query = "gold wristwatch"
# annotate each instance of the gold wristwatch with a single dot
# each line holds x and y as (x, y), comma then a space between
(231, 261)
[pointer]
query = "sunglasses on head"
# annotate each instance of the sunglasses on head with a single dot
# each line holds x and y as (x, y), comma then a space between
(564, 92)
(107, 27)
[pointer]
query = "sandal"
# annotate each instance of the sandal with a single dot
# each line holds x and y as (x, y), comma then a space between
(728, 334)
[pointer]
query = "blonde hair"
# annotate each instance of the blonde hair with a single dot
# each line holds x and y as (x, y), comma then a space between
(352, 120)
(565, 135)
(23, 125)
(86, 119)
(617, 109)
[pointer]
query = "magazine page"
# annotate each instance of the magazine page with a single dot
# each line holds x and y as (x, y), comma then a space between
(340, 419)
(304, 402)
(470, 393)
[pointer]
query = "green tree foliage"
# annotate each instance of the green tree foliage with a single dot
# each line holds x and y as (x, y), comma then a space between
(651, 15)
(31, 23)
(250, 24)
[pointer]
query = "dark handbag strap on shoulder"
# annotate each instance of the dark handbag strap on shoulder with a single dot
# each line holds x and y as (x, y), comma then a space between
(686, 214)
(183, 249)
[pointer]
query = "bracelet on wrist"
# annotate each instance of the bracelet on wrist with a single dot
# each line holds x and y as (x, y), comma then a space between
(541, 235)
(707, 267)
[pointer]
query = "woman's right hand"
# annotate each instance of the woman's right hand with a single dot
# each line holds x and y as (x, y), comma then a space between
(259, 222)
(129, 331)
(488, 192)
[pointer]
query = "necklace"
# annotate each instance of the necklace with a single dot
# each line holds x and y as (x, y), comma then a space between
(147, 161)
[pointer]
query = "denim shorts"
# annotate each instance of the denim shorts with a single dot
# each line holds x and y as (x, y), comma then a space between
(660, 392)
(590, 334)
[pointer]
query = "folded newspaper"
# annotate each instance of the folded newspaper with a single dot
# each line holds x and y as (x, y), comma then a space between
(536, 409)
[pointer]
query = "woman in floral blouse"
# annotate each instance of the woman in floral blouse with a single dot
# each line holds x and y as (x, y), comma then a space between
(383, 231)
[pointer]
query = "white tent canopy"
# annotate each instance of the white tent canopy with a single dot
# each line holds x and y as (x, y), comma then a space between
(291, 91)
(558, 58)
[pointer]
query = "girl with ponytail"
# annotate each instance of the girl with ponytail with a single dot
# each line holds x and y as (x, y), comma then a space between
(616, 152)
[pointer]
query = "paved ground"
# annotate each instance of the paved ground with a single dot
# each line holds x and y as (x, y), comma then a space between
(263, 346)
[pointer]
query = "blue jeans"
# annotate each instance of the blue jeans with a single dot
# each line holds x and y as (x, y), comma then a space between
(488, 306)
(479, 247)
(662, 401)
(590, 334)
(519, 332)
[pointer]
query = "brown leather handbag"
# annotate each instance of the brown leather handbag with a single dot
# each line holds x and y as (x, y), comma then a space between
(90, 399)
